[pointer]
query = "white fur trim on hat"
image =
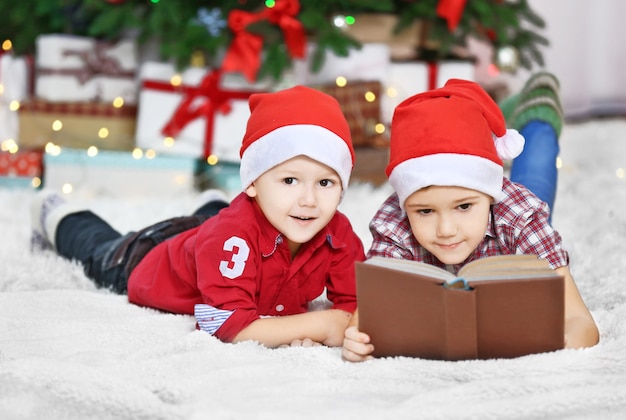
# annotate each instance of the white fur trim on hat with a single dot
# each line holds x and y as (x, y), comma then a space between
(290, 141)
(447, 169)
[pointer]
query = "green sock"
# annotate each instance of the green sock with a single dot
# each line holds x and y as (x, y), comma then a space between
(538, 100)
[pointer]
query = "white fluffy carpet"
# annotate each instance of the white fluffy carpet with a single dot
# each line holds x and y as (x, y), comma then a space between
(70, 351)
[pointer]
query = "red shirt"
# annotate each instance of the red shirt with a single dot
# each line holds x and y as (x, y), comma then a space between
(236, 267)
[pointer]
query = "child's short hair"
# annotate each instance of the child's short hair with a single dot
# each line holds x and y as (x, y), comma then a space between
(451, 136)
(293, 122)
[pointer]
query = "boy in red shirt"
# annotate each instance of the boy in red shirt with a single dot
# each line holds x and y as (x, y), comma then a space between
(452, 203)
(250, 271)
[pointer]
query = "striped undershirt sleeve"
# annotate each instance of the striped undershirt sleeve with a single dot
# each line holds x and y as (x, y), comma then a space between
(210, 319)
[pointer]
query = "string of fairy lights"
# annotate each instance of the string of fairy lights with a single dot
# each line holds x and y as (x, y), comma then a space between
(11, 145)
(56, 125)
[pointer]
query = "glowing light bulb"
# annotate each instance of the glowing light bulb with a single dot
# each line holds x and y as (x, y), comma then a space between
(176, 80)
(212, 160)
(9, 145)
(339, 21)
(52, 149)
(103, 133)
(118, 102)
(168, 141)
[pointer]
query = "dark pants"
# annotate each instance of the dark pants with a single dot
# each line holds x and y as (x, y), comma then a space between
(107, 256)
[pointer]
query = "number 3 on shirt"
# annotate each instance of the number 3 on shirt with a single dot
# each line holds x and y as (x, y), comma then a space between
(234, 268)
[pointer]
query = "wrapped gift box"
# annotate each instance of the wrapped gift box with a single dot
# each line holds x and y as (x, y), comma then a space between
(14, 78)
(21, 169)
(116, 173)
(409, 78)
(360, 103)
(380, 28)
(72, 68)
(370, 62)
(160, 98)
(82, 125)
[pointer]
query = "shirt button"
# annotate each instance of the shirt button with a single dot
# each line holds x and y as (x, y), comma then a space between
(280, 308)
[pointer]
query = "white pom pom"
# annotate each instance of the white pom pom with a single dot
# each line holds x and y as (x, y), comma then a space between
(510, 145)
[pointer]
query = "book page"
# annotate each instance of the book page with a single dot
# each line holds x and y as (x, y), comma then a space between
(507, 267)
(412, 267)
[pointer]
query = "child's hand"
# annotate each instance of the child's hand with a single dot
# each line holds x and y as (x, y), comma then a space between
(356, 346)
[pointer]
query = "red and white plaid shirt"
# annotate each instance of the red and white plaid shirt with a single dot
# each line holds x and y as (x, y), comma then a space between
(517, 225)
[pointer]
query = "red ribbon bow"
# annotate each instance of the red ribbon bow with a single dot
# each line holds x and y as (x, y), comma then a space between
(215, 99)
(451, 11)
(244, 53)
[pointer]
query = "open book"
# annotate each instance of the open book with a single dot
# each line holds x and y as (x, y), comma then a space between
(496, 307)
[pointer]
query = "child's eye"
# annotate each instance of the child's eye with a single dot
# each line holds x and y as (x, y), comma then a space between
(289, 180)
(424, 212)
(465, 206)
(327, 182)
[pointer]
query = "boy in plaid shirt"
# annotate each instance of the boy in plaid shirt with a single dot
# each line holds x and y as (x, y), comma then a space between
(452, 203)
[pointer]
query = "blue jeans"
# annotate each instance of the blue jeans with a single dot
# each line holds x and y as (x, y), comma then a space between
(107, 256)
(536, 167)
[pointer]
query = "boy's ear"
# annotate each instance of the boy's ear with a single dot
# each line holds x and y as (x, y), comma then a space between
(251, 191)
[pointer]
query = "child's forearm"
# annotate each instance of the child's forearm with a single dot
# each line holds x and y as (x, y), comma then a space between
(580, 327)
(326, 327)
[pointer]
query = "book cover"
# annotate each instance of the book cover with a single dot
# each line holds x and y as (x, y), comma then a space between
(496, 307)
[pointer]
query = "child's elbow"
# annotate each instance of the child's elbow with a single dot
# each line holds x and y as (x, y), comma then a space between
(581, 333)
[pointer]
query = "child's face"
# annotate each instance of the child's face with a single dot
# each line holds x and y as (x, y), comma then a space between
(449, 222)
(299, 197)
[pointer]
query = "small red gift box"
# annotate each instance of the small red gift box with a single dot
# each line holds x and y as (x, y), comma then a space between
(24, 163)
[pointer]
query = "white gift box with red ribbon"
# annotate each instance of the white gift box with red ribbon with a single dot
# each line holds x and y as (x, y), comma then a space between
(72, 68)
(406, 79)
(162, 93)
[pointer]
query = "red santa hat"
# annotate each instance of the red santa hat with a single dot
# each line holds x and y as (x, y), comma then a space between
(451, 136)
(293, 122)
